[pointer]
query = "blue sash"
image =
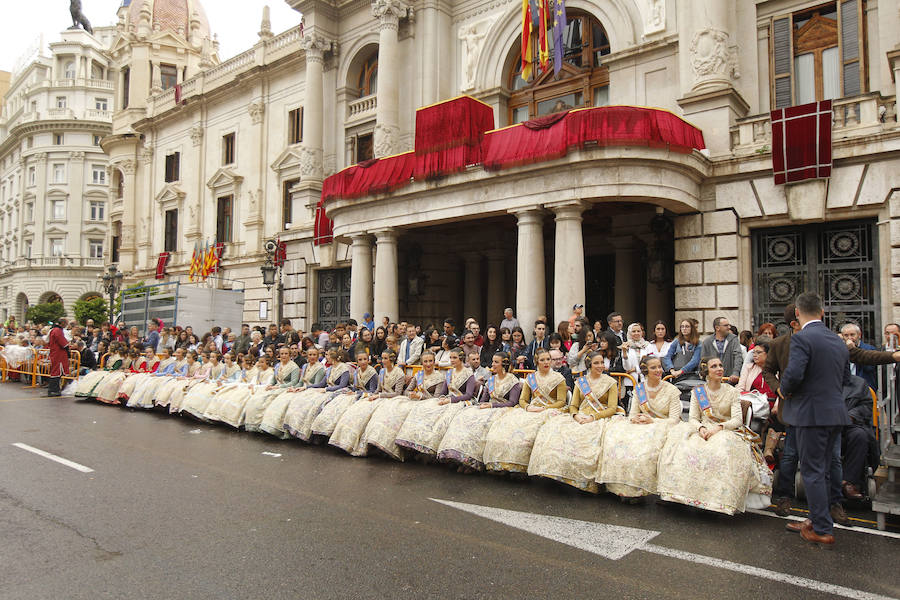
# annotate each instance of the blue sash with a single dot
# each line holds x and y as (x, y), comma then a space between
(703, 399)
(641, 391)
(381, 379)
(531, 380)
(420, 379)
(584, 385)
(448, 378)
(491, 383)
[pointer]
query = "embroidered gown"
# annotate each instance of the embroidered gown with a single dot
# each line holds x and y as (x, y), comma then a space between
(361, 382)
(286, 376)
(428, 421)
(231, 411)
(630, 457)
(143, 394)
(715, 474)
(304, 409)
(163, 397)
(179, 394)
(348, 433)
(89, 385)
(511, 439)
(201, 395)
(274, 417)
(569, 451)
(466, 436)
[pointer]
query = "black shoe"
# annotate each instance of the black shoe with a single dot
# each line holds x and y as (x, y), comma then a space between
(783, 506)
(839, 515)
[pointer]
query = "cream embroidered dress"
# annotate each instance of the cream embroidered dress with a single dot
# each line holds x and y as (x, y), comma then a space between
(235, 387)
(715, 474)
(382, 429)
(428, 421)
(231, 412)
(304, 409)
(629, 461)
(467, 434)
(177, 399)
(274, 418)
(511, 439)
(331, 413)
(200, 395)
(145, 393)
(569, 451)
(348, 434)
(286, 375)
(163, 397)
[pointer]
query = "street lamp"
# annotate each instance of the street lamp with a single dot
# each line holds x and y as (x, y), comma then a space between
(268, 274)
(271, 270)
(112, 282)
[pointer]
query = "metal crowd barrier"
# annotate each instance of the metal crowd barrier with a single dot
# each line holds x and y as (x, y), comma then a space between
(39, 366)
(27, 368)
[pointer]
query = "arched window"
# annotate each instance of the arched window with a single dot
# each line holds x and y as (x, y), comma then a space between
(368, 76)
(70, 70)
(582, 81)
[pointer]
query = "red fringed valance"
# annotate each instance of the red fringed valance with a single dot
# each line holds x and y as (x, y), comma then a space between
(521, 145)
(801, 142)
(632, 126)
(449, 136)
(375, 176)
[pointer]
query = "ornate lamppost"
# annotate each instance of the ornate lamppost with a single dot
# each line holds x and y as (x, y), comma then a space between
(112, 283)
(271, 271)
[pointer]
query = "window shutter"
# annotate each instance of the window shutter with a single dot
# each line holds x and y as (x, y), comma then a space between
(782, 61)
(851, 46)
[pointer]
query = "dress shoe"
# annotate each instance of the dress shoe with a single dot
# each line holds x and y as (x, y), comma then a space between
(808, 533)
(783, 506)
(839, 515)
(796, 525)
(851, 492)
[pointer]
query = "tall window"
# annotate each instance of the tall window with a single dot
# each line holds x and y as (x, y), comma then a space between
(29, 212)
(171, 232)
(31, 173)
(126, 85)
(364, 147)
(286, 208)
(98, 174)
(95, 248)
(119, 182)
(817, 54)
(368, 76)
(169, 75)
(115, 242)
(58, 210)
(583, 80)
(98, 210)
(224, 219)
(58, 139)
(97, 139)
(59, 173)
(173, 167)
(228, 149)
(70, 70)
(26, 250)
(101, 104)
(295, 126)
(61, 102)
(56, 247)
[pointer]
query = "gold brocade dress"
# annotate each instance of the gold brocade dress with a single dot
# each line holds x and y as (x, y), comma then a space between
(511, 438)
(233, 407)
(348, 433)
(569, 451)
(274, 418)
(630, 457)
(428, 421)
(304, 409)
(200, 396)
(286, 376)
(331, 413)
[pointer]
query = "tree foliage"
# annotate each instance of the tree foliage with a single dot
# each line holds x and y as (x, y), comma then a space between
(45, 313)
(93, 308)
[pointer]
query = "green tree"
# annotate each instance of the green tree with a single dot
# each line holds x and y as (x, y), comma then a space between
(92, 308)
(45, 313)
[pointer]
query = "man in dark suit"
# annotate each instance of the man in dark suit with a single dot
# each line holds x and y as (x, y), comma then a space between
(811, 387)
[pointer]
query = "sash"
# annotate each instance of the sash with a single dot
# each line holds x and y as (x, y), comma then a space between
(703, 401)
(584, 385)
(491, 383)
(381, 379)
(641, 391)
(356, 379)
(420, 381)
(448, 378)
(531, 380)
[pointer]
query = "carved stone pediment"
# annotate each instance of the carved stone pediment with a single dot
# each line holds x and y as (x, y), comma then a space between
(288, 159)
(224, 178)
(171, 193)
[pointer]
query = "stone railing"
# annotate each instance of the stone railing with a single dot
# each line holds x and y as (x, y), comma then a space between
(363, 107)
(54, 261)
(98, 115)
(263, 53)
(858, 116)
(60, 113)
(100, 84)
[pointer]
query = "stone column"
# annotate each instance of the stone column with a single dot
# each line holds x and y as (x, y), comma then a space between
(531, 287)
(387, 129)
(387, 300)
(495, 286)
(75, 209)
(472, 286)
(710, 43)
(128, 235)
(568, 270)
(430, 60)
(311, 163)
(360, 276)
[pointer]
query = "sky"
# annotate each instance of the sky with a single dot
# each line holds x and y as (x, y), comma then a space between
(236, 23)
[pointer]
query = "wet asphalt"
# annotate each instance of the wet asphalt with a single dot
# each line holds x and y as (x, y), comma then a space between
(180, 509)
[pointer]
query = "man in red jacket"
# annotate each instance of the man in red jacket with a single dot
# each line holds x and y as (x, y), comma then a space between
(59, 357)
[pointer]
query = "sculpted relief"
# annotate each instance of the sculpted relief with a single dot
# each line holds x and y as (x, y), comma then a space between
(472, 39)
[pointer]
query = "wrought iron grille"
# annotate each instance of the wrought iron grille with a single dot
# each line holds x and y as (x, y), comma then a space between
(838, 260)
(334, 297)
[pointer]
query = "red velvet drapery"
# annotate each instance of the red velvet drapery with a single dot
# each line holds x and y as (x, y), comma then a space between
(521, 145)
(801, 142)
(449, 136)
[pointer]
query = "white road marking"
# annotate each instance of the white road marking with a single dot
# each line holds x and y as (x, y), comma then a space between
(195, 431)
(615, 542)
(53, 457)
(856, 528)
(275, 454)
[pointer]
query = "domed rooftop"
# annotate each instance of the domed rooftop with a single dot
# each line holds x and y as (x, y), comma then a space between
(170, 15)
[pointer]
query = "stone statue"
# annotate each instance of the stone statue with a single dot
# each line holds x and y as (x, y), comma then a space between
(471, 38)
(78, 17)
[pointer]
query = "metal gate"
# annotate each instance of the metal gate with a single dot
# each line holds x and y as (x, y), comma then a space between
(334, 297)
(838, 260)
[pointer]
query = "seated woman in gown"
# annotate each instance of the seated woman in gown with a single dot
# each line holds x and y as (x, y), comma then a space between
(200, 395)
(312, 379)
(259, 377)
(467, 433)
(364, 380)
(232, 386)
(568, 446)
(306, 406)
(712, 461)
(230, 374)
(145, 392)
(511, 438)
(348, 433)
(89, 385)
(631, 447)
(428, 421)
(287, 374)
(162, 398)
(385, 423)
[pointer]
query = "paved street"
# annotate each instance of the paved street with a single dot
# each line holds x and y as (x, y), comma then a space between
(175, 508)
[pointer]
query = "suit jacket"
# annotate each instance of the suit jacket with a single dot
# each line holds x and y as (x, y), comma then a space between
(415, 351)
(814, 379)
(867, 372)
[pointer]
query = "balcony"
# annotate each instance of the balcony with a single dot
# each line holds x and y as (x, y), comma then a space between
(98, 84)
(854, 118)
(60, 113)
(364, 108)
(98, 115)
(65, 262)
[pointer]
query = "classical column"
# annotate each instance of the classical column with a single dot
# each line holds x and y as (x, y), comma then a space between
(496, 301)
(387, 300)
(568, 268)
(472, 286)
(128, 234)
(387, 120)
(360, 276)
(531, 286)
(430, 60)
(711, 46)
(311, 163)
(75, 210)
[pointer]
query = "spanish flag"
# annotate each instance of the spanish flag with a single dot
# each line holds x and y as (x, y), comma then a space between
(526, 40)
(543, 48)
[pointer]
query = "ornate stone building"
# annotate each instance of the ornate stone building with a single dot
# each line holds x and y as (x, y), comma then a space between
(241, 154)
(53, 174)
